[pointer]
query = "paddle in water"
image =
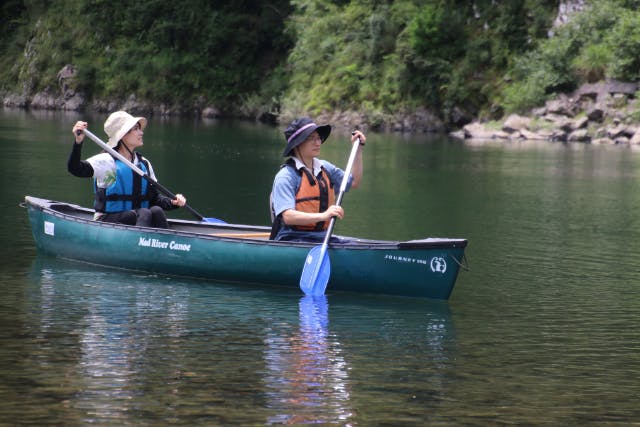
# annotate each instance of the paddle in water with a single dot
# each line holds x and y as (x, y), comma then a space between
(317, 266)
(150, 180)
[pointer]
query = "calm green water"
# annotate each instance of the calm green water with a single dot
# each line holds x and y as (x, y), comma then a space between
(544, 329)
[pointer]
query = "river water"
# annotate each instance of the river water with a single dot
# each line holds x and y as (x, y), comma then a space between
(543, 328)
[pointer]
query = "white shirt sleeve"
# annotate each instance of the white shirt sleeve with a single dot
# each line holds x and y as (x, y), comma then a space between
(104, 169)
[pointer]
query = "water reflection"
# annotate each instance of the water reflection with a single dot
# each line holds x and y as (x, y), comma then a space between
(118, 323)
(554, 275)
(307, 374)
(122, 348)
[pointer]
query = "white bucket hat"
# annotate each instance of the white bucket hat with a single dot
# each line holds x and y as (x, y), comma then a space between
(119, 123)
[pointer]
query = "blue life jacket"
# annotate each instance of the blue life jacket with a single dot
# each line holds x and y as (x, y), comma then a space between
(129, 191)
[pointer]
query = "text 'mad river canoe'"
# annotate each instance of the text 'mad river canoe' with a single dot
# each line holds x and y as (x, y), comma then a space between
(233, 253)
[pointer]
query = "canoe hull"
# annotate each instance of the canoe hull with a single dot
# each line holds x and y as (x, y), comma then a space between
(396, 268)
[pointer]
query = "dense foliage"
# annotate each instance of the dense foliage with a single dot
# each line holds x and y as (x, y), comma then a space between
(458, 58)
(381, 56)
(603, 42)
(158, 50)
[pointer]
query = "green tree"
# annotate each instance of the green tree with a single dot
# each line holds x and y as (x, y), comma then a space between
(173, 52)
(600, 42)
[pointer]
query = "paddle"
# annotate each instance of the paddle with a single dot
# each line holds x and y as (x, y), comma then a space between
(317, 266)
(150, 180)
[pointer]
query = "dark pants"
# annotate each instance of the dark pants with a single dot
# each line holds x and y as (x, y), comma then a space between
(152, 217)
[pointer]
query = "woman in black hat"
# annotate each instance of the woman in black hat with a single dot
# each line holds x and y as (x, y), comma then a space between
(305, 188)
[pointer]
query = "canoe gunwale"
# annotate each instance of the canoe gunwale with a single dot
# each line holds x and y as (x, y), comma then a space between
(204, 230)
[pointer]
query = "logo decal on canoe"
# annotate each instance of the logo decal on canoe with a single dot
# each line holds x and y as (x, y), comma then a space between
(159, 244)
(49, 228)
(438, 265)
(399, 258)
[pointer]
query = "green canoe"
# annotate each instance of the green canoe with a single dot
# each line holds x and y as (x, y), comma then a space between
(243, 254)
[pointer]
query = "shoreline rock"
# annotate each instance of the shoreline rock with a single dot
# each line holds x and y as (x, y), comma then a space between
(67, 98)
(419, 121)
(603, 113)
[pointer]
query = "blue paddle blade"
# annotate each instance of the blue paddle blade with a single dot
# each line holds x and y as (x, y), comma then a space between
(213, 220)
(316, 272)
(323, 277)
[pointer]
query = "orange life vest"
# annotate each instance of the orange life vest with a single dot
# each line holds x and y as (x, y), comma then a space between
(314, 195)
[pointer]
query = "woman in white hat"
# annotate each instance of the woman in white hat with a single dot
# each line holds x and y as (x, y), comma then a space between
(121, 195)
(305, 189)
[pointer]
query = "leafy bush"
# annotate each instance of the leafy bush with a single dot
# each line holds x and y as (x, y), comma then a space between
(600, 42)
(623, 43)
(308, 56)
(161, 51)
(592, 62)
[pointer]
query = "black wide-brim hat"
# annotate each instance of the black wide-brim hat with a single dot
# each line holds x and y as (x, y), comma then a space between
(299, 130)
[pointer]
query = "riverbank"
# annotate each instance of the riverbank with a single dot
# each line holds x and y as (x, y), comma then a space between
(65, 97)
(607, 112)
(420, 121)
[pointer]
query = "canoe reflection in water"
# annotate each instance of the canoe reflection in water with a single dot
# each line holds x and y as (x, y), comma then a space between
(307, 379)
(100, 328)
(134, 349)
